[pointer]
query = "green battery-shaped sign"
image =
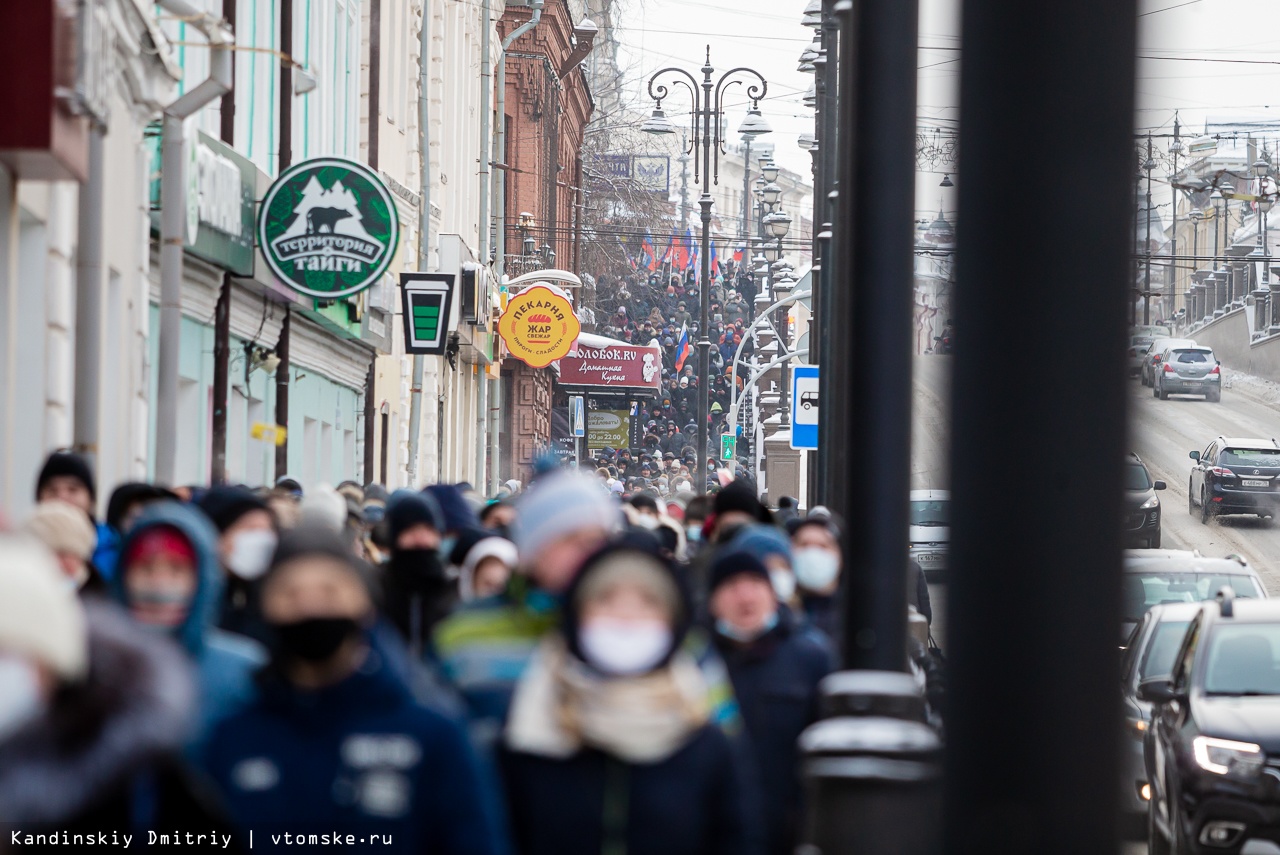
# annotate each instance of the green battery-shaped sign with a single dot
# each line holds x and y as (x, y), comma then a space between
(427, 301)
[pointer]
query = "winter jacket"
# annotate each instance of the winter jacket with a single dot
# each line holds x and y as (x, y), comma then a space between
(107, 551)
(699, 801)
(484, 648)
(360, 757)
(106, 756)
(225, 663)
(775, 679)
(416, 597)
(823, 612)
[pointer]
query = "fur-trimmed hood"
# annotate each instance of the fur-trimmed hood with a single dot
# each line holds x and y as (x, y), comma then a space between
(134, 708)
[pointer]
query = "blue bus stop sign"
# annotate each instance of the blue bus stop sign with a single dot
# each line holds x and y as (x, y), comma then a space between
(804, 406)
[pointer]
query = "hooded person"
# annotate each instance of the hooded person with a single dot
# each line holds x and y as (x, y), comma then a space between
(94, 714)
(417, 593)
(817, 560)
(772, 546)
(67, 477)
(335, 742)
(171, 582)
(775, 665)
(486, 568)
(68, 534)
(610, 746)
(484, 647)
(459, 516)
(247, 538)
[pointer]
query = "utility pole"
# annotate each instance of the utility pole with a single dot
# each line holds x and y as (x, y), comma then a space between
(684, 181)
(746, 190)
(1146, 285)
(1175, 149)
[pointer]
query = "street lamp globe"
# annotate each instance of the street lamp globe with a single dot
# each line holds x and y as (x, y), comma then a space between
(807, 141)
(1260, 166)
(769, 170)
(753, 125)
(771, 193)
(810, 98)
(778, 224)
(658, 123)
(1265, 201)
(1196, 214)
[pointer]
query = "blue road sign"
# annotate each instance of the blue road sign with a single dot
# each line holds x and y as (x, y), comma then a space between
(576, 416)
(804, 406)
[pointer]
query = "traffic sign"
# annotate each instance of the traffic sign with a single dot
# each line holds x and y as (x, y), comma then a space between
(804, 406)
(728, 446)
(427, 301)
(577, 417)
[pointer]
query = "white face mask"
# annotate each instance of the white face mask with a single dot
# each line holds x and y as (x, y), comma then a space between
(21, 700)
(816, 568)
(784, 584)
(693, 533)
(251, 553)
(624, 648)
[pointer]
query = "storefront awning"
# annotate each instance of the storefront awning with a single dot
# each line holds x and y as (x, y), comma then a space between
(605, 364)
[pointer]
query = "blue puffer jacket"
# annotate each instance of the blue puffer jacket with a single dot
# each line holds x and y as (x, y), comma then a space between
(225, 663)
(361, 758)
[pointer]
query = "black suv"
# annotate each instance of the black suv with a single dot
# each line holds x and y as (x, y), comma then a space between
(1141, 506)
(1213, 748)
(1235, 476)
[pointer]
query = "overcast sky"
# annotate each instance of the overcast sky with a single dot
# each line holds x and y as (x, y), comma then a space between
(1191, 76)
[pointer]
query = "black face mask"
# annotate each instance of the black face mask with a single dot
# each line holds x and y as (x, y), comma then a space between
(417, 566)
(314, 639)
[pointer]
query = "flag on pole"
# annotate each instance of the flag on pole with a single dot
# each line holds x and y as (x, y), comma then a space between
(648, 256)
(715, 260)
(739, 252)
(682, 347)
(682, 251)
(694, 251)
(627, 254)
(669, 254)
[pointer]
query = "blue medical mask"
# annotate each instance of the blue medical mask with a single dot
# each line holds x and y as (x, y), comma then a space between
(730, 631)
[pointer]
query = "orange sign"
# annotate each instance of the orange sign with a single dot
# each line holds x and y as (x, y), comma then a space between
(539, 326)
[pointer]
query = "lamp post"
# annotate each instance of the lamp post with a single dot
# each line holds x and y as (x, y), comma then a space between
(1149, 165)
(707, 96)
(1220, 195)
(1192, 296)
(1175, 149)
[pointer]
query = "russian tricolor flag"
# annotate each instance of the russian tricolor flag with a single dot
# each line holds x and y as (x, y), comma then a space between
(682, 347)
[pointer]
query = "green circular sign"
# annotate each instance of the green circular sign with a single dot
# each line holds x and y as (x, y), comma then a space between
(328, 227)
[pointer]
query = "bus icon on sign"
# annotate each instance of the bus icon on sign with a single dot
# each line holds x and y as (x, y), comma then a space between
(808, 400)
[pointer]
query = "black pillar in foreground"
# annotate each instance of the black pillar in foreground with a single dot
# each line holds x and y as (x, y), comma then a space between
(877, 174)
(1037, 444)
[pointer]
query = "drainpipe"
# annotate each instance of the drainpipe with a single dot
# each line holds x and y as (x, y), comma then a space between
(89, 304)
(424, 221)
(173, 216)
(500, 139)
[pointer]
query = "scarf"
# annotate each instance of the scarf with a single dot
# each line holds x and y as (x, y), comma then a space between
(561, 706)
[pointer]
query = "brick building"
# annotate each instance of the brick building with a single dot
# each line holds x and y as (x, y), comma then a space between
(546, 108)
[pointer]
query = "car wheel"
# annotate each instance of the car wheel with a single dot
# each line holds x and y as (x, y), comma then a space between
(1191, 499)
(1157, 843)
(1155, 393)
(1154, 541)
(1214, 397)
(1205, 510)
(1145, 382)
(1163, 395)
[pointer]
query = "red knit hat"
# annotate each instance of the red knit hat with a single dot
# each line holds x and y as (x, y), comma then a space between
(157, 541)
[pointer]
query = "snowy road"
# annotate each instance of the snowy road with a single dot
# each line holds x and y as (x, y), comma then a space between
(1163, 432)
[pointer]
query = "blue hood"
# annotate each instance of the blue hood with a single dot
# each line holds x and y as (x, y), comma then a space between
(204, 539)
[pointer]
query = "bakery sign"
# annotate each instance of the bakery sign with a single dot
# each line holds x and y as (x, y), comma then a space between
(602, 362)
(539, 326)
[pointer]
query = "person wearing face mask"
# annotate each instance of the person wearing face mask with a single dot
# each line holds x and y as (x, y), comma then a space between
(610, 746)
(335, 742)
(417, 593)
(247, 537)
(459, 516)
(94, 713)
(66, 533)
(775, 665)
(771, 546)
(170, 581)
(816, 558)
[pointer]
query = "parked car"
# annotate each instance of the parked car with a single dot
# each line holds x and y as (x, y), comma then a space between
(1139, 346)
(1148, 654)
(1141, 505)
(1235, 476)
(1187, 371)
(1154, 577)
(1155, 353)
(930, 531)
(1213, 747)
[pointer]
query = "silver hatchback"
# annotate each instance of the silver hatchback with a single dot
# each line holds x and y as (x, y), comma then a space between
(1187, 371)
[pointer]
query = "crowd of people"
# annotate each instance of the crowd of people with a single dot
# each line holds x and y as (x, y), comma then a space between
(653, 307)
(560, 671)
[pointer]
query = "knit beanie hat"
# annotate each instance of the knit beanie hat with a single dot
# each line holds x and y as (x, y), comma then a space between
(734, 563)
(762, 541)
(561, 505)
(66, 463)
(63, 529)
(158, 540)
(124, 497)
(225, 505)
(407, 509)
(458, 515)
(737, 496)
(40, 616)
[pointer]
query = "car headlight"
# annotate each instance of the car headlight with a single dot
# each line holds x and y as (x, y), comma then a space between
(1137, 727)
(1153, 502)
(1221, 756)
